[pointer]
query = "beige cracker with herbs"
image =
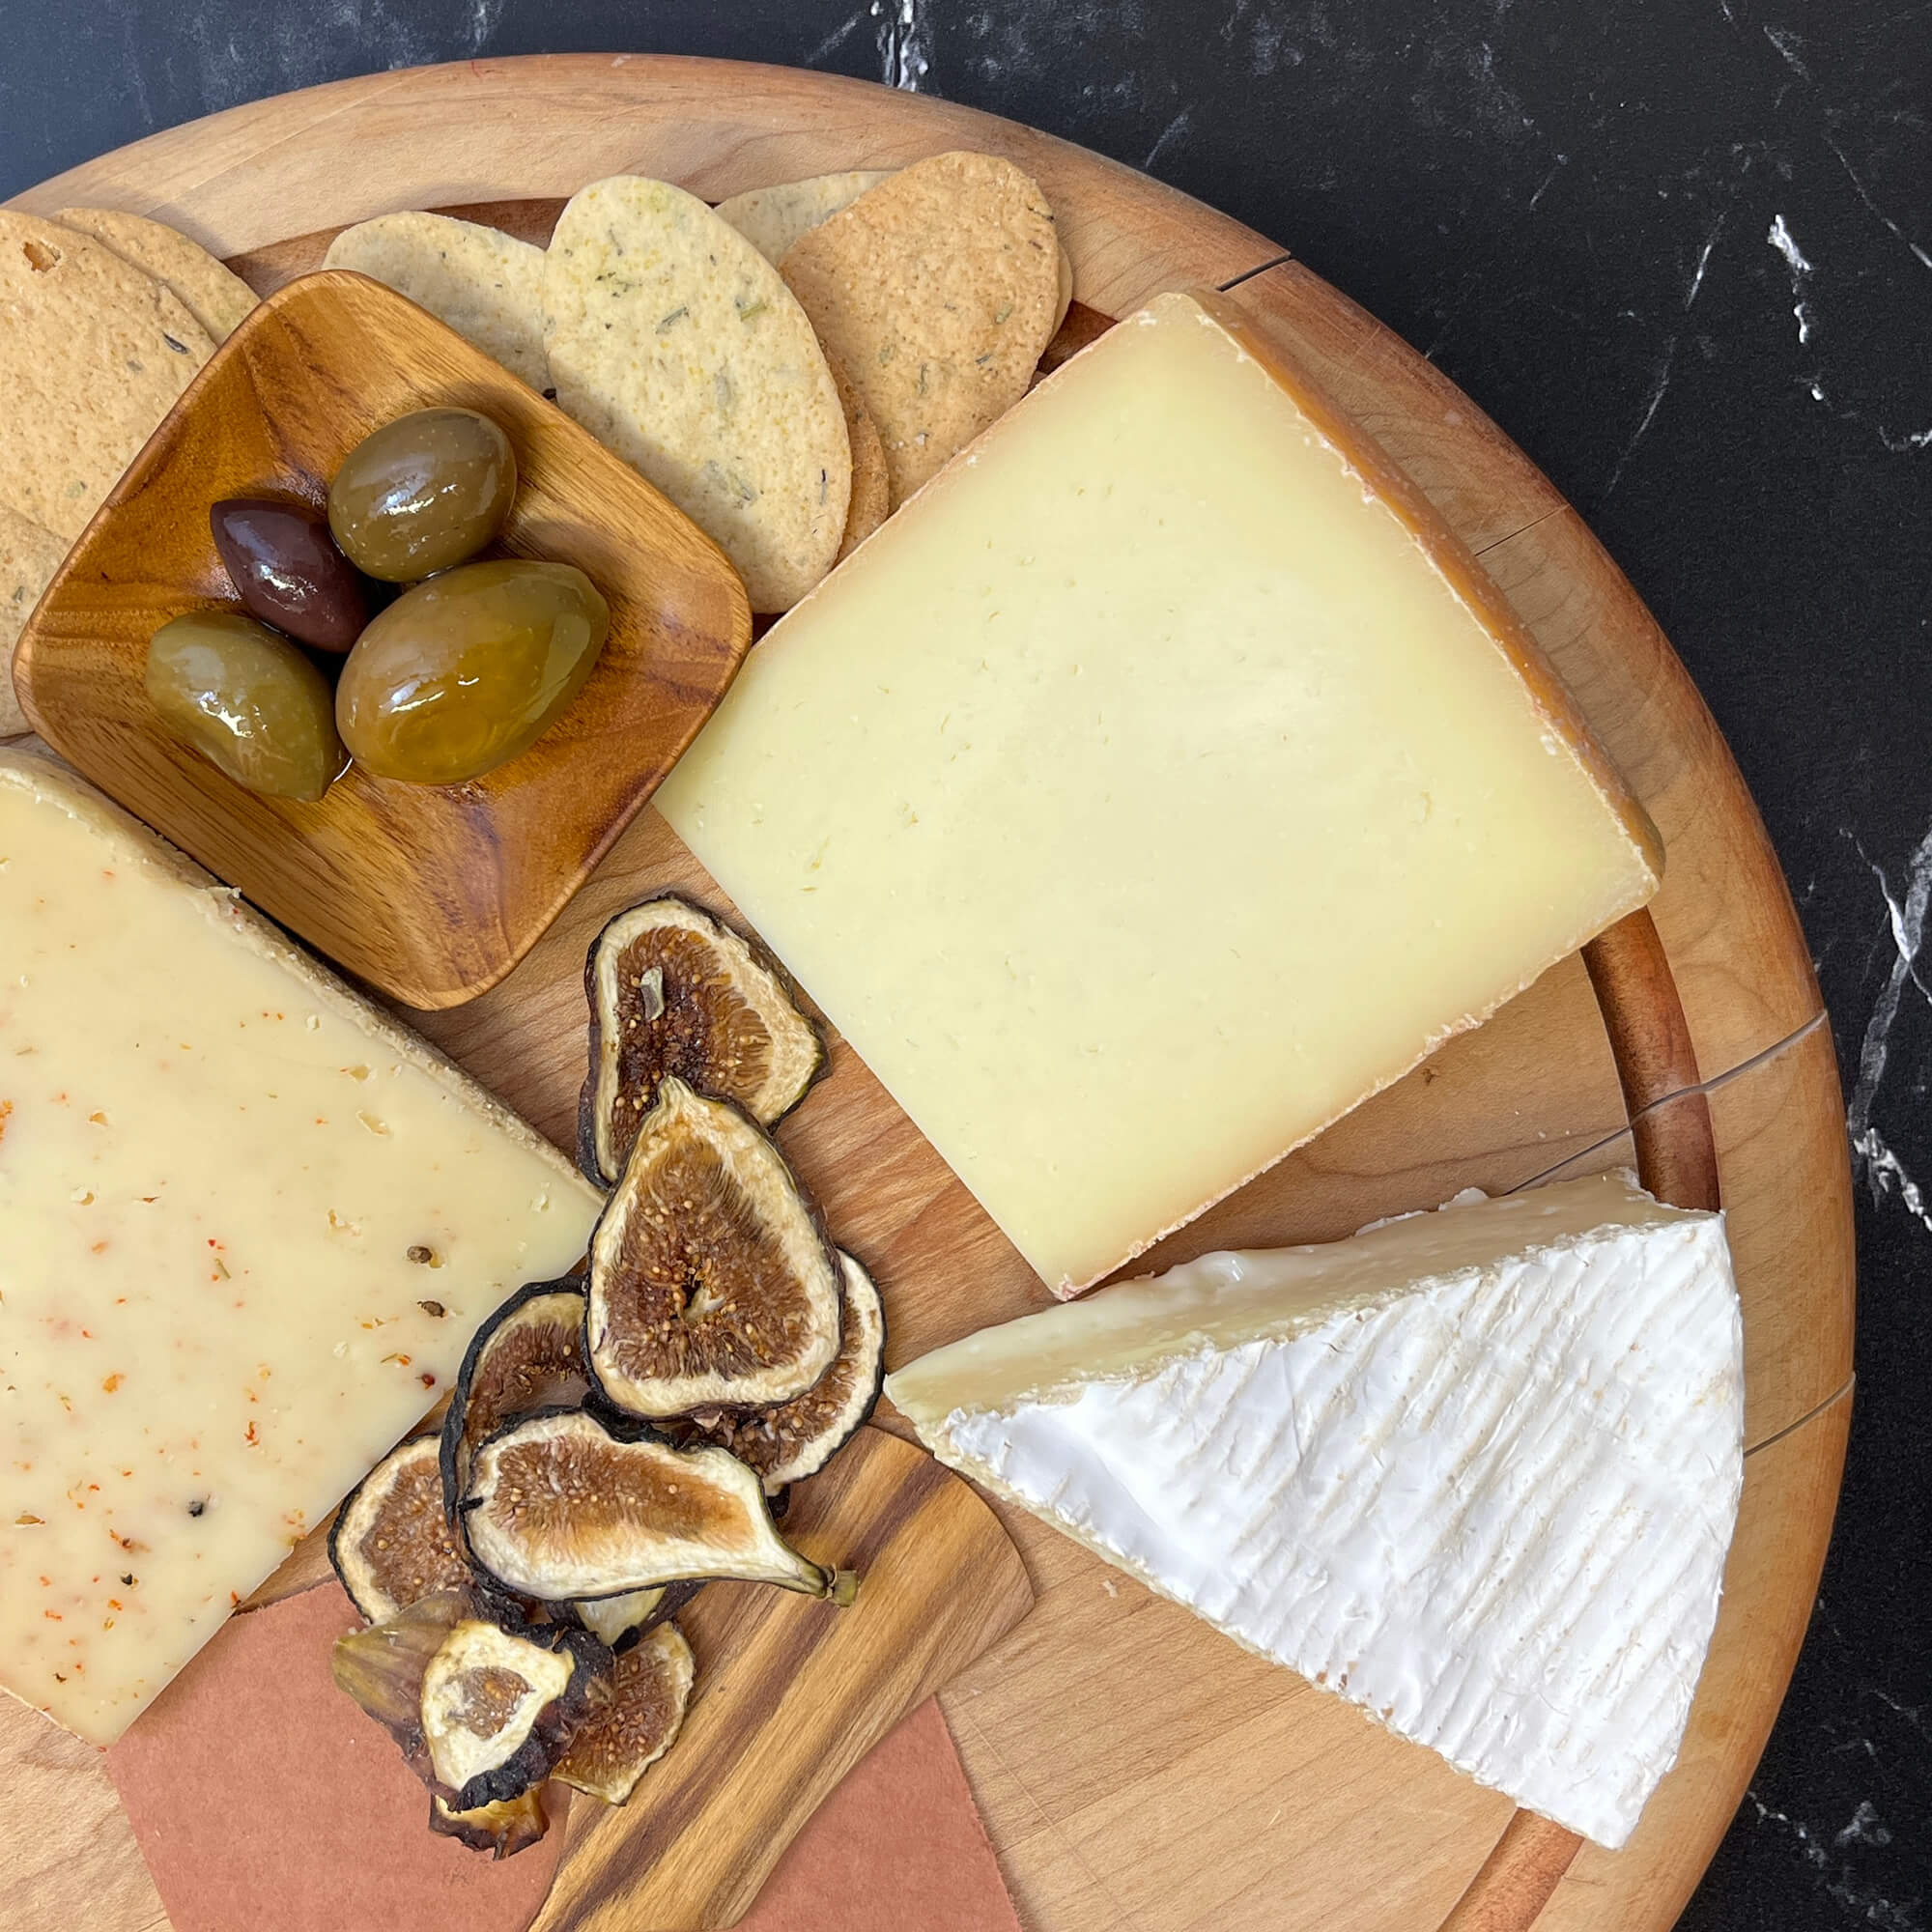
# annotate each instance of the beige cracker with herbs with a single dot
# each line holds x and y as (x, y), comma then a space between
(937, 291)
(214, 296)
(773, 218)
(93, 353)
(486, 285)
(673, 341)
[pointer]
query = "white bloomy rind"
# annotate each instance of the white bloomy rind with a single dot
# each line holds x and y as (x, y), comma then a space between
(1476, 1471)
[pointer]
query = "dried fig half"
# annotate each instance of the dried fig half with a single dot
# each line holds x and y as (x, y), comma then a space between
(528, 1354)
(676, 992)
(392, 1542)
(636, 1719)
(620, 1621)
(561, 1509)
(381, 1667)
(499, 1706)
(510, 1826)
(712, 1285)
(797, 1438)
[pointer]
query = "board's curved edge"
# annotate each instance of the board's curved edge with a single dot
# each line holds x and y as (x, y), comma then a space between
(434, 136)
(1677, 1161)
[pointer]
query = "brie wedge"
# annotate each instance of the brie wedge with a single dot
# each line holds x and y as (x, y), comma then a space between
(1475, 1470)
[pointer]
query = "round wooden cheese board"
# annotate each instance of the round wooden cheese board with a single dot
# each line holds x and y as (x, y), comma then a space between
(1134, 1768)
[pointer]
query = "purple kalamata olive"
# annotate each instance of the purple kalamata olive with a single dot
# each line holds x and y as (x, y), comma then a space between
(288, 571)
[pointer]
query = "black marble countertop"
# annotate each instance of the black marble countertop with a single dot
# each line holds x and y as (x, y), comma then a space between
(1681, 251)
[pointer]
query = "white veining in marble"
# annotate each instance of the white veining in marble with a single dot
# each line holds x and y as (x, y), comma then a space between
(1884, 1173)
(1659, 384)
(1800, 270)
(1838, 1878)
(905, 44)
(1175, 130)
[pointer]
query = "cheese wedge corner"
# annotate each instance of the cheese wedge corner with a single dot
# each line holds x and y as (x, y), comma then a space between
(1476, 1471)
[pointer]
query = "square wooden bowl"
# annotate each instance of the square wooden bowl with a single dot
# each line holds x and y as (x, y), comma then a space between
(431, 894)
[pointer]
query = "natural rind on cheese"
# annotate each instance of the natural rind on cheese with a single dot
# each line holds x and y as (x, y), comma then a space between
(248, 1226)
(1476, 1471)
(1158, 784)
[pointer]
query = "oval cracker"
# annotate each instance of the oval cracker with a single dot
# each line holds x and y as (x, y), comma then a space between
(213, 294)
(937, 290)
(673, 341)
(486, 285)
(771, 219)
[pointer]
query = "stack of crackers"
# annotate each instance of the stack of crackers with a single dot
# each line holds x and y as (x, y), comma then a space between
(787, 367)
(104, 318)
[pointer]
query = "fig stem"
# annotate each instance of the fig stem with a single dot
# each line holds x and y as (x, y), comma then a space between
(844, 1590)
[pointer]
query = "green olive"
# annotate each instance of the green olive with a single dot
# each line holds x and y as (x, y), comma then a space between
(248, 701)
(463, 672)
(422, 493)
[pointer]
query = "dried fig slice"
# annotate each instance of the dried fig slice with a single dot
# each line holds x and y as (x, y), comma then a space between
(392, 1543)
(563, 1510)
(712, 1285)
(676, 992)
(620, 1621)
(504, 1828)
(500, 1706)
(528, 1354)
(381, 1667)
(634, 1722)
(798, 1437)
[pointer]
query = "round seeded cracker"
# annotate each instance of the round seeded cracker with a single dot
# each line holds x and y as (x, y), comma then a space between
(93, 354)
(673, 341)
(486, 285)
(937, 290)
(214, 295)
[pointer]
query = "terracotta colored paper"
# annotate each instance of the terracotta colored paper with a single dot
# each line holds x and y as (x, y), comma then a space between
(262, 1796)
(898, 1845)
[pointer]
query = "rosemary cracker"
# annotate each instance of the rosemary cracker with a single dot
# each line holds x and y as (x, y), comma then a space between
(214, 296)
(772, 218)
(486, 285)
(937, 291)
(93, 353)
(673, 341)
(29, 556)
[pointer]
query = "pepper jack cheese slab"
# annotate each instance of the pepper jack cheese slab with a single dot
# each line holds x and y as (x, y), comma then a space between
(1477, 1471)
(1158, 784)
(246, 1227)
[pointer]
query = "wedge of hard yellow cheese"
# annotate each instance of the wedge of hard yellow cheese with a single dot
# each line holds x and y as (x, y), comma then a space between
(246, 1227)
(1159, 783)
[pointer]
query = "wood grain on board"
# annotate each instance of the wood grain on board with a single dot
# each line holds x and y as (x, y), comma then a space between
(1135, 1769)
(792, 1693)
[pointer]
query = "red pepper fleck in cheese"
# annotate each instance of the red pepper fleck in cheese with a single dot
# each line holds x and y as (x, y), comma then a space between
(205, 1255)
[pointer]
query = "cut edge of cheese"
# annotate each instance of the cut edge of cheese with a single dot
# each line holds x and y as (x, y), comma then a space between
(1455, 564)
(1196, 1340)
(52, 783)
(1459, 567)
